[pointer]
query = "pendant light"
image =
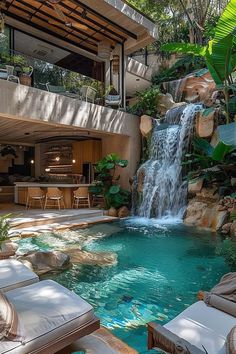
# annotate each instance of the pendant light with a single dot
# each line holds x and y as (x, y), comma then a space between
(116, 64)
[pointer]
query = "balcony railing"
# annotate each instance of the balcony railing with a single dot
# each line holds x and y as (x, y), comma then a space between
(50, 77)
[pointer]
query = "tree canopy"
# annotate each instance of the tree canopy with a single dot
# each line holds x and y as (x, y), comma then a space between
(182, 20)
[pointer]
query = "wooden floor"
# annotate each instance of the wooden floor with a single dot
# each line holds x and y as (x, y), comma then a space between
(101, 341)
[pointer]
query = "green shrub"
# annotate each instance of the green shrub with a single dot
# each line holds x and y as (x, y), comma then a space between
(228, 251)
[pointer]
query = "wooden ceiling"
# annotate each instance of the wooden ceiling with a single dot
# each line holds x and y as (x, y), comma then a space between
(18, 131)
(41, 14)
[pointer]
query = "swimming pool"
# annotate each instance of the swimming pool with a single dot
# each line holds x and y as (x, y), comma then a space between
(161, 266)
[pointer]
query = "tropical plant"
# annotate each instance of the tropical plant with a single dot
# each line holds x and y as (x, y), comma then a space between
(106, 182)
(147, 101)
(218, 53)
(181, 68)
(4, 228)
(206, 161)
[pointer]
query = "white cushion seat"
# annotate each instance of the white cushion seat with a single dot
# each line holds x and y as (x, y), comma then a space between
(14, 274)
(48, 312)
(203, 326)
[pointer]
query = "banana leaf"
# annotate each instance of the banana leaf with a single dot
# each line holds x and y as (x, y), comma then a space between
(186, 48)
(227, 141)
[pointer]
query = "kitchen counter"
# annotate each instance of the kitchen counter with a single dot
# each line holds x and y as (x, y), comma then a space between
(21, 190)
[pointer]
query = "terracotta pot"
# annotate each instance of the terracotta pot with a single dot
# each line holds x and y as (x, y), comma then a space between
(25, 79)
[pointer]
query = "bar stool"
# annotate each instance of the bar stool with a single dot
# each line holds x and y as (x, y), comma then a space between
(34, 194)
(55, 195)
(81, 197)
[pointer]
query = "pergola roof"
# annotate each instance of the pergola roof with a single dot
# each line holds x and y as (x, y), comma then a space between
(113, 21)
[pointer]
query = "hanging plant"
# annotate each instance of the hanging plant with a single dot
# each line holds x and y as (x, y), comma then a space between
(8, 150)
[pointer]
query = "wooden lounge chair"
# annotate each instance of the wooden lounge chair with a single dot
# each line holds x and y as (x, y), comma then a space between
(199, 329)
(52, 317)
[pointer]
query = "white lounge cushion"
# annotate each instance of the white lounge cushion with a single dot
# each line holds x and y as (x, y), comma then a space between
(203, 326)
(48, 311)
(14, 274)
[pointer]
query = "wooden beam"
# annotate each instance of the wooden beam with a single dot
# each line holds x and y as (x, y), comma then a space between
(112, 23)
(43, 29)
(54, 19)
(102, 27)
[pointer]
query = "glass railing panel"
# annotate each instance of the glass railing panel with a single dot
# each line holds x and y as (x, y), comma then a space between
(50, 77)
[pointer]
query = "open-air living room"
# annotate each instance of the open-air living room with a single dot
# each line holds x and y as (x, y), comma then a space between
(117, 177)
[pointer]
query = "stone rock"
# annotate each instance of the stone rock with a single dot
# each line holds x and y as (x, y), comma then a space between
(9, 246)
(195, 186)
(192, 88)
(146, 125)
(205, 215)
(112, 212)
(233, 229)
(205, 124)
(123, 212)
(222, 207)
(44, 262)
(210, 101)
(208, 194)
(222, 218)
(214, 139)
(226, 228)
(198, 88)
(194, 213)
(91, 258)
(166, 102)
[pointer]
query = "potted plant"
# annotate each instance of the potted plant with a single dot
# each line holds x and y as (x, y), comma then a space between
(8, 150)
(25, 75)
(7, 247)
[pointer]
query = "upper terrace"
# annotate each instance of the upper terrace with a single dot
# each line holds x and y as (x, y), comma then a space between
(92, 38)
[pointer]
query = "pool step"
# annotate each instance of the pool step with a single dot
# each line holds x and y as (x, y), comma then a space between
(33, 218)
(77, 223)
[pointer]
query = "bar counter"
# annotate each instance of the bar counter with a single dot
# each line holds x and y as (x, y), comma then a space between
(21, 190)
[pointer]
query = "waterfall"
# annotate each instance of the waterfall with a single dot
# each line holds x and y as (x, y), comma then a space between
(159, 184)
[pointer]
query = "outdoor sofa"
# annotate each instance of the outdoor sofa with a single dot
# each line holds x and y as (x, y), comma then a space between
(46, 316)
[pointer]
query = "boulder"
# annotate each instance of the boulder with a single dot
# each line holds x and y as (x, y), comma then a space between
(44, 262)
(123, 212)
(226, 228)
(222, 217)
(197, 87)
(166, 102)
(9, 246)
(205, 124)
(146, 125)
(208, 195)
(195, 186)
(194, 213)
(205, 215)
(91, 258)
(112, 212)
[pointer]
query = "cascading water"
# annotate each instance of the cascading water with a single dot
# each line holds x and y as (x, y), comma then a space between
(163, 190)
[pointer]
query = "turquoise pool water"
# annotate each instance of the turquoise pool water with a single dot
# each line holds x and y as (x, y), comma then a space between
(161, 266)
